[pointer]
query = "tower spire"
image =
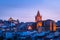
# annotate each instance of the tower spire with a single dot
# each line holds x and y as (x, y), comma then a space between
(38, 17)
(38, 13)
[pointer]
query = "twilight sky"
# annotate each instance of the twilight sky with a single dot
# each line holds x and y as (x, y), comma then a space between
(25, 10)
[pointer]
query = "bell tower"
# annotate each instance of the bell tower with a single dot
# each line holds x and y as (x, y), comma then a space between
(38, 19)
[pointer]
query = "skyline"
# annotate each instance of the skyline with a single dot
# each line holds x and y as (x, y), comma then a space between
(26, 10)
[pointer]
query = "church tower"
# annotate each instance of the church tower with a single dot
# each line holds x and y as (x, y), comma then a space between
(38, 19)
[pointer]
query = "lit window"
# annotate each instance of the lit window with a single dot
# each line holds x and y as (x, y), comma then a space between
(29, 28)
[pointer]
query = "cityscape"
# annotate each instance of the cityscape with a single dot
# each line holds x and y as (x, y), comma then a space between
(29, 19)
(38, 30)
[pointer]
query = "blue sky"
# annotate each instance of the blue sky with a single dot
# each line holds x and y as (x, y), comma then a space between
(25, 10)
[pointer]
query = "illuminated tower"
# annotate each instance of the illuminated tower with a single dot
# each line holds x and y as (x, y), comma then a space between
(38, 19)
